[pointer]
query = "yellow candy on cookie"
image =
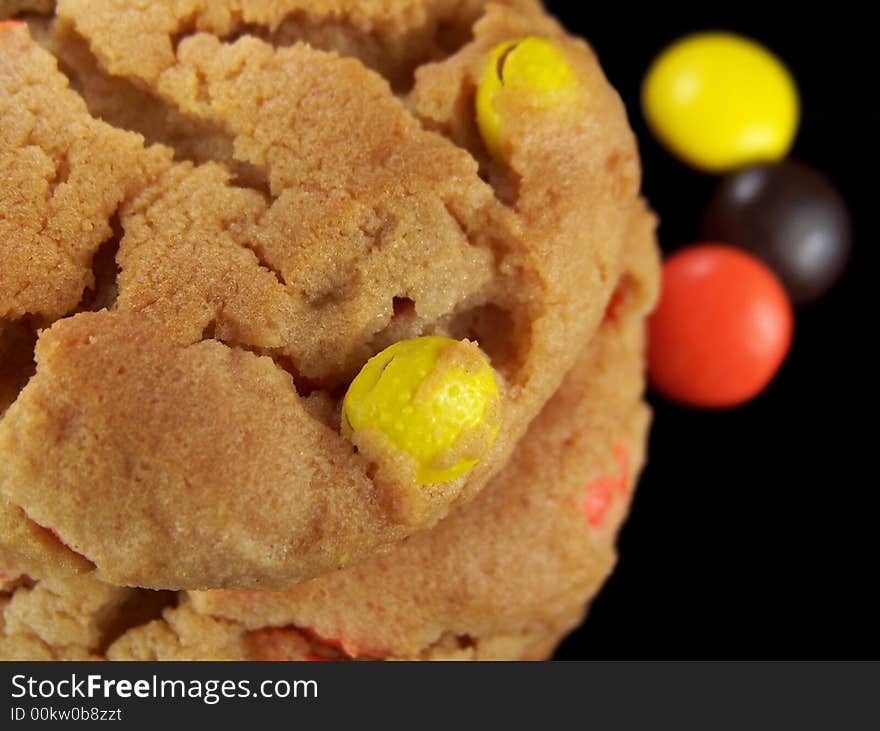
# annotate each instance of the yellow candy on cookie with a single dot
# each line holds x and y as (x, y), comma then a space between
(720, 101)
(432, 398)
(535, 69)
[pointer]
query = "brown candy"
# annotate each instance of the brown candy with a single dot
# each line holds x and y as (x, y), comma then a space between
(790, 216)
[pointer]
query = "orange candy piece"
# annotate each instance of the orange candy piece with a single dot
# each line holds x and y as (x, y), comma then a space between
(601, 492)
(722, 329)
(278, 644)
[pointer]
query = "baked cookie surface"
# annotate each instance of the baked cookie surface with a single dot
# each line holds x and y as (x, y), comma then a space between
(504, 577)
(216, 213)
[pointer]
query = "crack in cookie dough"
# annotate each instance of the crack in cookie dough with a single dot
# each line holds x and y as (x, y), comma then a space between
(34, 549)
(62, 176)
(393, 38)
(73, 618)
(11, 8)
(331, 267)
(121, 104)
(17, 340)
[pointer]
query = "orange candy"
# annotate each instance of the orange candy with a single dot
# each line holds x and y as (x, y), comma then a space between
(722, 329)
(601, 492)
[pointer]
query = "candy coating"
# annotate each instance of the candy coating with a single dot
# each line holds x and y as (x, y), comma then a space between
(722, 329)
(791, 217)
(532, 68)
(432, 398)
(720, 101)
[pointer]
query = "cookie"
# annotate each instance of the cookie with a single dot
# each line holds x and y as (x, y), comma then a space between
(210, 310)
(504, 577)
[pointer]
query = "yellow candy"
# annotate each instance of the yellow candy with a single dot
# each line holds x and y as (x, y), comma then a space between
(433, 399)
(720, 101)
(533, 69)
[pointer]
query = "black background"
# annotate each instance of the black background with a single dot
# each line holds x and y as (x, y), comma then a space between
(753, 534)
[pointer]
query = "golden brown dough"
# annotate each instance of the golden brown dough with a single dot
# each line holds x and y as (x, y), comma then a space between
(503, 578)
(62, 177)
(212, 226)
(124, 407)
